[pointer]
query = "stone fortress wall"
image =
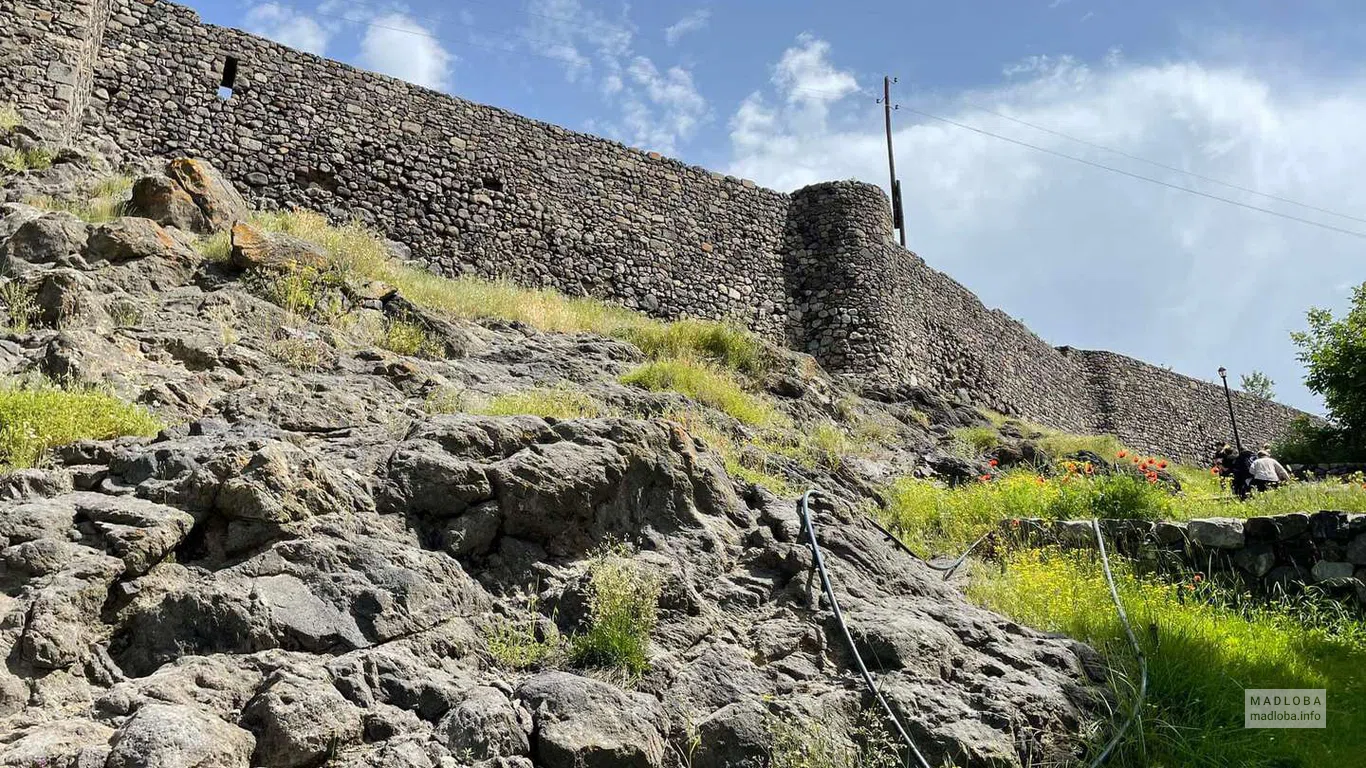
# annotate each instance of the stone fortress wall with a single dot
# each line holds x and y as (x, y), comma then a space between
(473, 189)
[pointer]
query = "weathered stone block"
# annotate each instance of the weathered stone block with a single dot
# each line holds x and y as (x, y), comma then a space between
(1217, 532)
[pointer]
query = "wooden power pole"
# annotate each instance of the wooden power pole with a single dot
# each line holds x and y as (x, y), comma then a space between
(898, 217)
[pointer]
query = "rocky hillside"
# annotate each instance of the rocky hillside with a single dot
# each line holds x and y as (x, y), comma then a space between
(331, 554)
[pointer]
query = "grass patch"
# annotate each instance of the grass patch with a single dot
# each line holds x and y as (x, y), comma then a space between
(301, 354)
(1200, 660)
(299, 289)
(517, 643)
(623, 608)
(559, 402)
(34, 159)
(811, 744)
(707, 385)
(446, 399)
(36, 418)
(356, 249)
(103, 201)
(940, 520)
(409, 338)
(216, 248)
(972, 442)
(21, 304)
(9, 118)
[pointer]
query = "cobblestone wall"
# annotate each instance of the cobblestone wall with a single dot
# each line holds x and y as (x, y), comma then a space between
(473, 189)
(1326, 548)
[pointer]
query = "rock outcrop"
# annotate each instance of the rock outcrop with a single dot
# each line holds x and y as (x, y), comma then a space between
(303, 568)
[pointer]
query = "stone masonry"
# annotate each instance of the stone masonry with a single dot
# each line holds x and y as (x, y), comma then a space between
(473, 189)
(1280, 552)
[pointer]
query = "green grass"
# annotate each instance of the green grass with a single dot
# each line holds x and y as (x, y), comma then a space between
(623, 609)
(972, 442)
(1202, 659)
(446, 399)
(301, 354)
(34, 419)
(35, 159)
(216, 248)
(357, 250)
(9, 118)
(105, 200)
(939, 520)
(805, 743)
(707, 385)
(21, 304)
(558, 402)
(515, 643)
(409, 338)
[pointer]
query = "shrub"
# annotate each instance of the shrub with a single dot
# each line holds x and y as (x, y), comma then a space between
(623, 605)
(1201, 657)
(706, 385)
(298, 289)
(811, 744)
(36, 418)
(1309, 442)
(559, 402)
(1331, 350)
(125, 312)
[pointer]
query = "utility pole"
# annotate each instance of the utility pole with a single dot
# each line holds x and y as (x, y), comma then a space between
(898, 217)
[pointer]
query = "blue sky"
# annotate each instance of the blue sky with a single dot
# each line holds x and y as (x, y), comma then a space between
(1267, 96)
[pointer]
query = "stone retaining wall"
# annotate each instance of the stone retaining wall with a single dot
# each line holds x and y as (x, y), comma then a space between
(473, 189)
(1325, 548)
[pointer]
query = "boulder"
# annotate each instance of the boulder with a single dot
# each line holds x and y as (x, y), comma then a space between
(162, 200)
(1217, 532)
(220, 202)
(252, 248)
(174, 736)
(484, 725)
(586, 723)
(53, 238)
(299, 721)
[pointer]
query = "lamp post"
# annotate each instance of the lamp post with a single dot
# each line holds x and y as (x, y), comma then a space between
(1223, 374)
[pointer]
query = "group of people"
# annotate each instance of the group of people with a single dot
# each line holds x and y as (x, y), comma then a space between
(1247, 471)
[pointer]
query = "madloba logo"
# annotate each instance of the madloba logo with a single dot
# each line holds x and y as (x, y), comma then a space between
(1285, 708)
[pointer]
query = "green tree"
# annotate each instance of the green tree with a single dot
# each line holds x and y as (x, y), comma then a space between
(1259, 384)
(1333, 351)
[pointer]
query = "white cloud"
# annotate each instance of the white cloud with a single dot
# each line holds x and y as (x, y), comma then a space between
(290, 27)
(690, 23)
(657, 108)
(396, 45)
(1090, 258)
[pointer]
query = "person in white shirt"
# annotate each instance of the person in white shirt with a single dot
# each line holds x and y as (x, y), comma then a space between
(1267, 472)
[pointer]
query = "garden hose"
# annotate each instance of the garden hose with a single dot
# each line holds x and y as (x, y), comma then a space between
(1133, 641)
(804, 510)
(948, 570)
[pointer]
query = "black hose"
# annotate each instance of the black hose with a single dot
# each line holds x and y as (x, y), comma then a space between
(810, 529)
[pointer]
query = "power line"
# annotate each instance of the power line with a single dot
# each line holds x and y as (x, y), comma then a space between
(1163, 166)
(1138, 176)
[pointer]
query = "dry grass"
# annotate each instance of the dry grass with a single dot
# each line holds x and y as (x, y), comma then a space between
(358, 251)
(9, 118)
(558, 402)
(105, 200)
(20, 304)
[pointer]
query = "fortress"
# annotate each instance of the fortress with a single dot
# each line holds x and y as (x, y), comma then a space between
(472, 189)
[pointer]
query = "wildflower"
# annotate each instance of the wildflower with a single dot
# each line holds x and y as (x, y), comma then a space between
(1190, 587)
(1122, 454)
(1161, 465)
(993, 462)
(1014, 523)
(1214, 470)
(1090, 469)
(1198, 578)
(985, 478)
(1040, 479)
